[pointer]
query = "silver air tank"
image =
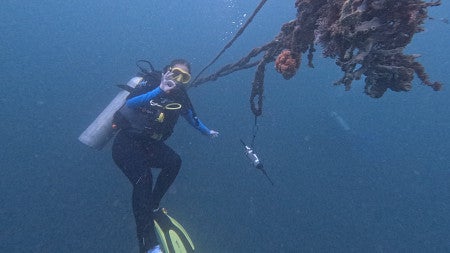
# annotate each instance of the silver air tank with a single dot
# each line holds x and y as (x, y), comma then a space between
(100, 131)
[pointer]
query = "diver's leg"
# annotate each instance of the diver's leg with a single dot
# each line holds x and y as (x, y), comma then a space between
(142, 209)
(131, 157)
(170, 164)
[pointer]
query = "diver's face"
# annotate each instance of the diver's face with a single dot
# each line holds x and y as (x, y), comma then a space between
(181, 66)
(180, 73)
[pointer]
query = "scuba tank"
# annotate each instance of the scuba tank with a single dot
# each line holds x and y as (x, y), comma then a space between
(101, 130)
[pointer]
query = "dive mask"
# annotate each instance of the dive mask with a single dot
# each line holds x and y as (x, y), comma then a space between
(180, 75)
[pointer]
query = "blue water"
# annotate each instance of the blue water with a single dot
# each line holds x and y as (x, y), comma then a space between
(380, 186)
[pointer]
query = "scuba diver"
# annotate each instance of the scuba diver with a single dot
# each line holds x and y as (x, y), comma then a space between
(145, 121)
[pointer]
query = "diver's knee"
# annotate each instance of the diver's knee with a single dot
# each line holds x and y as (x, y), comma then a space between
(176, 162)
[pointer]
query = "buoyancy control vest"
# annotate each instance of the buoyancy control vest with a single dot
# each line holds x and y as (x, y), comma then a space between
(112, 118)
(156, 120)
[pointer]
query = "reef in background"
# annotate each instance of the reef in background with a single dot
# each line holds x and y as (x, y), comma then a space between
(366, 37)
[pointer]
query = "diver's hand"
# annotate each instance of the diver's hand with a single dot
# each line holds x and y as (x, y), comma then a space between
(213, 134)
(167, 83)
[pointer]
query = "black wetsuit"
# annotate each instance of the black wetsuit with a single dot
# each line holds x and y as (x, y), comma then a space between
(139, 146)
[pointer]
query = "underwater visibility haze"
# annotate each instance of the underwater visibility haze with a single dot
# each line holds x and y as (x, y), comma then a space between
(351, 173)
